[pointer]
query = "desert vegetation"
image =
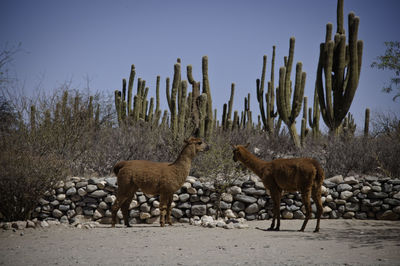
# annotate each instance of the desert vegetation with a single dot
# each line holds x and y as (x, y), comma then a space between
(72, 132)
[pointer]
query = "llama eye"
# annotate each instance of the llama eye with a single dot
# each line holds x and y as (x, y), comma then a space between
(199, 143)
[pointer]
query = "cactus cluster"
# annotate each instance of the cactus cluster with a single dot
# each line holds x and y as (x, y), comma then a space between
(68, 111)
(267, 114)
(191, 112)
(142, 109)
(187, 111)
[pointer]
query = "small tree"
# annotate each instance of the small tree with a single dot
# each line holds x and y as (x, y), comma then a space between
(390, 60)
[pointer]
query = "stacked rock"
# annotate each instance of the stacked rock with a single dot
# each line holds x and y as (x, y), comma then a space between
(357, 197)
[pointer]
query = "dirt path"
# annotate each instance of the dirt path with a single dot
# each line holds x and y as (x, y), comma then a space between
(352, 242)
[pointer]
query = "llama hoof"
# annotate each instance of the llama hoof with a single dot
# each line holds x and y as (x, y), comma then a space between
(301, 230)
(316, 231)
(273, 229)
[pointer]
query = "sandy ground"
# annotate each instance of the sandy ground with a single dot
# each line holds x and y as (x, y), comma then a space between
(340, 242)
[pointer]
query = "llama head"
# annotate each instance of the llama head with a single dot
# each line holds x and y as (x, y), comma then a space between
(197, 144)
(238, 151)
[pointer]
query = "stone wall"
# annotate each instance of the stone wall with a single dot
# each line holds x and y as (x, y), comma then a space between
(357, 197)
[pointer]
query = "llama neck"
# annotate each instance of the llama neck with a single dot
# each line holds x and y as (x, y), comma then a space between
(252, 162)
(184, 162)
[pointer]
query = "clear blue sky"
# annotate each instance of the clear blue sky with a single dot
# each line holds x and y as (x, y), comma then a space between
(72, 40)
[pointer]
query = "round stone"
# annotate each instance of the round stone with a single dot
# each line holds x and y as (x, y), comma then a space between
(346, 195)
(234, 190)
(184, 197)
(227, 197)
(91, 188)
(57, 213)
(177, 213)
(287, 214)
(103, 205)
(71, 191)
(252, 208)
(61, 197)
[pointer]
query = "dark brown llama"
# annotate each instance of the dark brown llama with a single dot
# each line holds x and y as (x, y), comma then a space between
(155, 178)
(299, 174)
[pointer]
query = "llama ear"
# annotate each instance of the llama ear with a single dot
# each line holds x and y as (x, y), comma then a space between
(186, 141)
(247, 145)
(233, 146)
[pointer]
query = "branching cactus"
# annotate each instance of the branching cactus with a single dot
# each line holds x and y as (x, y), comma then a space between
(339, 66)
(287, 111)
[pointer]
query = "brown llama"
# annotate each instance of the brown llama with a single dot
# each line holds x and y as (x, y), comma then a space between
(155, 178)
(298, 174)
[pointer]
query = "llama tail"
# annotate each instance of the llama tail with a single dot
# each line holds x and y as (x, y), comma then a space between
(320, 174)
(118, 166)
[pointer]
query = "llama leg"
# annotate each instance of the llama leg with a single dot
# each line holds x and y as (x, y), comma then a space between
(163, 208)
(169, 208)
(125, 206)
(276, 198)
(114, 209)
(305, 195)
(316, 196)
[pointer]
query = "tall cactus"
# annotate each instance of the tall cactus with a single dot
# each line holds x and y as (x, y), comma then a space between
(304, 130)
(227, 111)
(182, 108)
(194, 106)
(171, 98)
(130, 87)
(157, 112)
(289, 112)
(313, 117)
(366, 123)
(202, 102)
(206, 89)
(339, 65)
(33, 118)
